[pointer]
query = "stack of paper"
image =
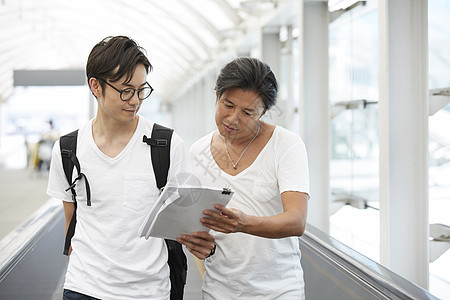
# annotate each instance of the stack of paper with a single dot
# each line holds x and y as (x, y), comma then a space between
(179, 209)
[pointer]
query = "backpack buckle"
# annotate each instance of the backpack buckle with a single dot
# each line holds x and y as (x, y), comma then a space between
(66, 152)
(155, 142)
(161, 143)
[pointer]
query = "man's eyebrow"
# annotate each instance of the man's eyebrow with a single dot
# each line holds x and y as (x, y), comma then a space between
(130, 85)
(252, 110)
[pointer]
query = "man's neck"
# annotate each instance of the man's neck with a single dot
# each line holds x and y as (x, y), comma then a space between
(111, 137)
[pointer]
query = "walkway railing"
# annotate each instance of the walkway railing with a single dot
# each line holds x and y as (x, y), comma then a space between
(31, 261)
(335, 271)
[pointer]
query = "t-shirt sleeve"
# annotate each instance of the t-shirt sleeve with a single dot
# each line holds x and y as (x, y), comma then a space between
(179, 158)
(293, 173)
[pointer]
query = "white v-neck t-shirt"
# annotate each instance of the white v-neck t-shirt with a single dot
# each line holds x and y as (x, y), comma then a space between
(109, 260)
(246, 266)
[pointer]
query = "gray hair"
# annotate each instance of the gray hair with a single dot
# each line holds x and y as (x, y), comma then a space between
(249, 74)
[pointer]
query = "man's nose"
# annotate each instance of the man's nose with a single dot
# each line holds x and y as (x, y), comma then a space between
(234, 116)
(134, 100)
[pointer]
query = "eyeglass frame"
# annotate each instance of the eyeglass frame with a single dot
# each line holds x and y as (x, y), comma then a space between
(134, 90)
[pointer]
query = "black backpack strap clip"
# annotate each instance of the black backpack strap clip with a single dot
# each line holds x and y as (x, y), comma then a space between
(71, 162)
(155, 142)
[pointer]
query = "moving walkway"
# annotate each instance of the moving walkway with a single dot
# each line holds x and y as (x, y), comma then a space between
(32, 265)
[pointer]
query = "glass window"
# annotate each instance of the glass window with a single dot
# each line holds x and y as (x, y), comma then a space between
(353, 75)
(353, 49)
(439, 143)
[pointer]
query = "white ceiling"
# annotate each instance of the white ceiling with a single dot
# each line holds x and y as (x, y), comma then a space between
(181, 36)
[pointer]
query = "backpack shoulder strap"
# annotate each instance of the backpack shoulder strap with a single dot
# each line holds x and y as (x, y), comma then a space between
(160, 154)
(177, 262)
(68, 147)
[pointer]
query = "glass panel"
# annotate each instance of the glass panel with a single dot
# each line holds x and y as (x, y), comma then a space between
(439, 142)
(353, 49)
(354, 136)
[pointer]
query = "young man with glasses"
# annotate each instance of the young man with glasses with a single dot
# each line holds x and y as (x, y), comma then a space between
(107, 258)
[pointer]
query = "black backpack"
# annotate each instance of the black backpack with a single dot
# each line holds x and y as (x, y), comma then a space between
(160, 154)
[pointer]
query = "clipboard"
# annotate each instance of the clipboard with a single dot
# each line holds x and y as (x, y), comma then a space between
(179, 209)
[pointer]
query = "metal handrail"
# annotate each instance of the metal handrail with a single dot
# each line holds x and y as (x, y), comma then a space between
(23, 238)
(376, 279)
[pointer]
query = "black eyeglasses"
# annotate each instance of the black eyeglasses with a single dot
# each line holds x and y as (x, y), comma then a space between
(128, 93)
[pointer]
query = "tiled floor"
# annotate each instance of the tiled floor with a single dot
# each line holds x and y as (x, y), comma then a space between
(22, 192)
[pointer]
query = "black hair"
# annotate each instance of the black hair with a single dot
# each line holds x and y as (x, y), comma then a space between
(115, 57)
(249, 74)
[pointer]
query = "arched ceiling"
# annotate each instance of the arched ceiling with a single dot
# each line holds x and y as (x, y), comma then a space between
(181, 36)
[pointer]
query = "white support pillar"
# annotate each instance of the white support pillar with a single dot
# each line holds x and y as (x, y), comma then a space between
(270, 49)
(1, 124)
(314, 30)
(403, 125)
(289, 106)
(270, 54)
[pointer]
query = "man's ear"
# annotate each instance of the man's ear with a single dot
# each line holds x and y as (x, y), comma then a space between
(217, 96)
(95, 87)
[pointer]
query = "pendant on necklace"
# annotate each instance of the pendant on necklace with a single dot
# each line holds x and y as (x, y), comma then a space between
(248, 145)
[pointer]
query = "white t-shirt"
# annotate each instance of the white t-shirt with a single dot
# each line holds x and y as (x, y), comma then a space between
(246, 266)
(108, 259)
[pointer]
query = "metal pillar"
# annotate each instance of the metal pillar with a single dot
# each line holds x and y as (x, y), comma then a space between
(403, 125)
(316, 109)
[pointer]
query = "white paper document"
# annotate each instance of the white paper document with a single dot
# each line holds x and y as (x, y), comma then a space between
(179, 209)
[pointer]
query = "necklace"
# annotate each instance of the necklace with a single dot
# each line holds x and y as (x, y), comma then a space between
(229, 157)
